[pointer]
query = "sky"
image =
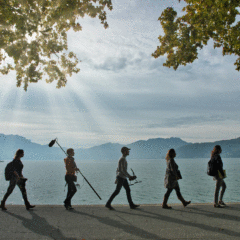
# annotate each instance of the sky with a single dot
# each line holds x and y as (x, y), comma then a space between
(122, 94)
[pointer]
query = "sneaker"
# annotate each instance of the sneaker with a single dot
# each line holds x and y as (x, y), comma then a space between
(109, 207)
(218, 206)
(68, 207)
(186, 203)
(222, 203)
(30, 206)
(2, 206)
(166, 206)
(134, 206)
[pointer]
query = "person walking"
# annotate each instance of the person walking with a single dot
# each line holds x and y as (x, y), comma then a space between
(121, 180)
(17, 179)
(171, 180)
(220, 183)
(70, 178)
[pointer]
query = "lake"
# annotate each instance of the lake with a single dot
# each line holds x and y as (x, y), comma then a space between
(46, 184)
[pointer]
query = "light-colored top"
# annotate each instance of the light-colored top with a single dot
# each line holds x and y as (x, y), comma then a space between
(122, 168)
(70, 165)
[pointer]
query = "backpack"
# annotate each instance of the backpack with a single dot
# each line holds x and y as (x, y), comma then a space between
(211, 169)
(9, 171)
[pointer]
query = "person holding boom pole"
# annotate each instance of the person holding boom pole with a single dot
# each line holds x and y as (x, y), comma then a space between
(70, 177)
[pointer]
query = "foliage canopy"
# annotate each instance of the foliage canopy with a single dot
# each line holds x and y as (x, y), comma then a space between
(204, 20)
(33, 33)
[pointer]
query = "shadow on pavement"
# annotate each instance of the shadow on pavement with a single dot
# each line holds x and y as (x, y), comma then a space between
(40, 226)
(185, 223)
(128, 227)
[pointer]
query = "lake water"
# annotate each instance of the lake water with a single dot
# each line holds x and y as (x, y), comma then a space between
(46, 182)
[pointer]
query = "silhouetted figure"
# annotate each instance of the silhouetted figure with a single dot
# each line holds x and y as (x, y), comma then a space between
(70, 177)
(121, 180)
(17, 179)
(171, 180)
(218, 166)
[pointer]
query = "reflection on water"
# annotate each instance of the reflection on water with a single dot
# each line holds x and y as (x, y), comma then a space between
(46, 184)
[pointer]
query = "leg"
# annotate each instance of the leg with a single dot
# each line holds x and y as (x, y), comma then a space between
(165, 199)
(217, 188)
(71, 190)
(128, 192)
(180, 197)
(222, 192)
(116, 192)
(22, 186)
(12, 185)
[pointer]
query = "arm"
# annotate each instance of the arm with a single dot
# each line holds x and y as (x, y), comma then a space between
(173, 167)
(220, 168)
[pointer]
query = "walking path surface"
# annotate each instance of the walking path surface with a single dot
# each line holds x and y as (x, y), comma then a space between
(197, 221)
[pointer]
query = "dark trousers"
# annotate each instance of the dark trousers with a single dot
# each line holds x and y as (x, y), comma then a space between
(179, 195)
(121, 182)
(71, 189)
(169, 190)
(21, 184)
(219, 183)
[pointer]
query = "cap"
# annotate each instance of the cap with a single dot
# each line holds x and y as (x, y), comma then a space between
(124, 149)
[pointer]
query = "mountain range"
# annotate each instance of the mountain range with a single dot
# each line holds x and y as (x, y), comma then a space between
(143, 149)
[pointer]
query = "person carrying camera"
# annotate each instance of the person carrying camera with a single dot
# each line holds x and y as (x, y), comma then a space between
(121, 180)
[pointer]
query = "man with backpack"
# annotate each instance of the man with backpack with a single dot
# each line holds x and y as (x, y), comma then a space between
(13, 173)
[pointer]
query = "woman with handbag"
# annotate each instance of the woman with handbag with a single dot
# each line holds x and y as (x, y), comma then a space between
(218, 167)
(70, 178)
(171, 180)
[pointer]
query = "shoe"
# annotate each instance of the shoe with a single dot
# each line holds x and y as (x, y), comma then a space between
(186, 203)
(30, 206)
(68, 207)
(221, 203)
(134, 206)
(166, 206)
(109, 207)
(217, 206)
(2, 206)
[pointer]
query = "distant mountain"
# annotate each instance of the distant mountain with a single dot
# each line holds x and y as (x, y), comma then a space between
(149, 149)
(230, 149)
(144, 149)
(32, 151)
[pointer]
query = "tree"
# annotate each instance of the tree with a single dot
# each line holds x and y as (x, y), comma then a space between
(33, 34)
(204, 20)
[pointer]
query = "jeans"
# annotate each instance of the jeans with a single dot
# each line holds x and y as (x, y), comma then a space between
(21, 184)
(71, 189)
(219, 183)
(121, 182)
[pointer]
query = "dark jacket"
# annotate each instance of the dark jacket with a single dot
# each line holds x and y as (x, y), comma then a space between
(218, 164)
(170, 180)
(18, 167)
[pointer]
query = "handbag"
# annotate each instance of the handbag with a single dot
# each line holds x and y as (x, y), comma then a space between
(179, 175)
(220, 175)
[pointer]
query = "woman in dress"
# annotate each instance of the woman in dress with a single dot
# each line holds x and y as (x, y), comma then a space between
(171, 180)
(17, 179)
(218, 166)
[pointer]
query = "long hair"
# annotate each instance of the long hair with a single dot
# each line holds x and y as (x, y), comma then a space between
(170, 154)
(216, 150)
(18, 153)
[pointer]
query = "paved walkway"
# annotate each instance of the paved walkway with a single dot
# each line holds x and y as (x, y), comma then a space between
(197, 221)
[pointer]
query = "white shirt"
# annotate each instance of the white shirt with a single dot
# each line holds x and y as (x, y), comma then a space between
(122, 168)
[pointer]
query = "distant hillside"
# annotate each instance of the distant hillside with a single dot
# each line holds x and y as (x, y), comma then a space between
(33, 151)
(144, 149)
(230, 149)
